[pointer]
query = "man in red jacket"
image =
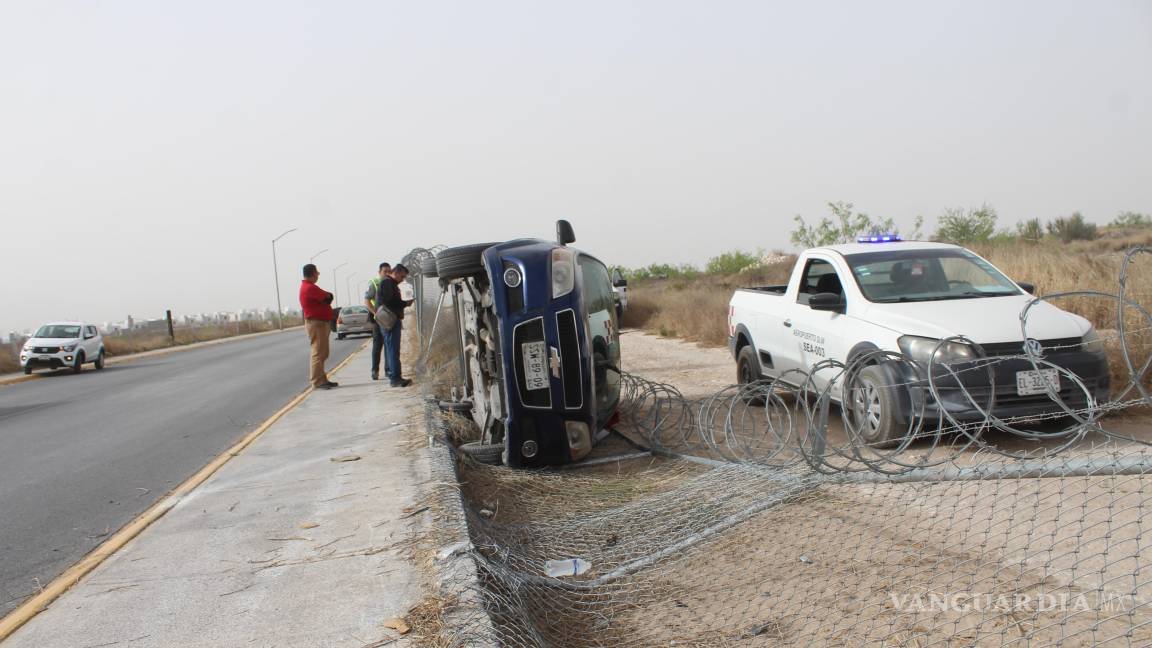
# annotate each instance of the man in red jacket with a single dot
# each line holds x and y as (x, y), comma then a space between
(317, 306)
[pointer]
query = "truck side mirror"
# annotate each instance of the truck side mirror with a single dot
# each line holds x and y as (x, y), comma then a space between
(827, 302)
(564, 232)
(1028, 288)
(620, 283)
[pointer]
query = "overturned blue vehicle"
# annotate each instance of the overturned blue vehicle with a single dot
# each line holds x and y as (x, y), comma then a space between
(539, 347)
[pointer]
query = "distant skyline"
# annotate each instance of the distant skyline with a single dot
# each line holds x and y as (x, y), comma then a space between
(151, 151)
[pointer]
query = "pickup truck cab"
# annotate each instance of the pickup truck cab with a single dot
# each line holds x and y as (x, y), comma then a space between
(539, 347)
(903, 298)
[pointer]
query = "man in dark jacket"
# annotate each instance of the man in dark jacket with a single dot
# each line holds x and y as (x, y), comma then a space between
(377, 335)
(389, 296)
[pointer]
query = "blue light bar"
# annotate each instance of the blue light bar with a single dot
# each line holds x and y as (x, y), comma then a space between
(882, 238)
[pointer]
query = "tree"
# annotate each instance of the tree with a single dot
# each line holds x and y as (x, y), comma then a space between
(847, 226)
(958, 225)
(1072, 228)
(1030, 230)
(1131, 219)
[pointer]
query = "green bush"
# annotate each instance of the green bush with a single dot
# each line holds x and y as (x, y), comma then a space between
(1072, 228)
(845, 229)
(1030, 230)
(958, 225)
(1131, 219)
(665, 271)
(733, 262)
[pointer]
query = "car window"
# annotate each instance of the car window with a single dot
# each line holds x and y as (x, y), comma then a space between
(819, 277)
(90, 331)
(600, 313)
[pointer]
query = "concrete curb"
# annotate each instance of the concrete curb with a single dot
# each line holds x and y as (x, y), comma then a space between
(12, 379)
(466, 620)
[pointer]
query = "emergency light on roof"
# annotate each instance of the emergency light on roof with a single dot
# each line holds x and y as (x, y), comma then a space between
(882, 238)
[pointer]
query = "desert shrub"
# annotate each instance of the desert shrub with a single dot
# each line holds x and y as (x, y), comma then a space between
(958, 225)
(732, 262)
(1131, 219)
(664, 271)
(1030, 230)
(847, 225)
(1072, 228)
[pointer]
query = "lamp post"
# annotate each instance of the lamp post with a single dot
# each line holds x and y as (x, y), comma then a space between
(336, 286)
(348, 286)
(276, 274)
(317, 254)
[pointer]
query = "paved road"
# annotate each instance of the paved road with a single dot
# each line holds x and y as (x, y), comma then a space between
(82, 455)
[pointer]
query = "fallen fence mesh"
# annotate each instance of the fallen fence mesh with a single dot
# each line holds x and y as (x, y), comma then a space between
(761, 515)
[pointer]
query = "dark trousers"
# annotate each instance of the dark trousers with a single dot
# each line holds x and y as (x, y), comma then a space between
(377, 347)
(392, 353)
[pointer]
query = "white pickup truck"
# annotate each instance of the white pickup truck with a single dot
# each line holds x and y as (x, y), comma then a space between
(904, 297)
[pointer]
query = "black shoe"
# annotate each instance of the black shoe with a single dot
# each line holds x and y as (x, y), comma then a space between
(375, 375)
(403, 382)
(330, 385)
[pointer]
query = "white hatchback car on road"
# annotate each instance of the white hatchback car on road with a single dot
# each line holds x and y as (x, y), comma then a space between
(63, 345)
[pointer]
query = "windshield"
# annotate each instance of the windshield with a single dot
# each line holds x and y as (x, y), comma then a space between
(58, 331)
(927, 275)
(600, 311)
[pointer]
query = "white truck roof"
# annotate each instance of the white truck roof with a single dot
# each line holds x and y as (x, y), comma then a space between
(857, 248)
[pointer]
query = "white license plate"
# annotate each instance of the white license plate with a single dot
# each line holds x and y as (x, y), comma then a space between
(535, 365)
(45, 357)
(1029, 383)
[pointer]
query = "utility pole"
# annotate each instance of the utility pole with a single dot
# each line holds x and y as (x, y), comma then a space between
(276, 274)
(335, 286)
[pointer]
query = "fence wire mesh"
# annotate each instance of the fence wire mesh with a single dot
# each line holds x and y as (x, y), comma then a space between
(762, 516)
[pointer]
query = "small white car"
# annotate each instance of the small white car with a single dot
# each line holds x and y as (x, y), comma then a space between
(353, 320)
(63, 345)
(619, 292)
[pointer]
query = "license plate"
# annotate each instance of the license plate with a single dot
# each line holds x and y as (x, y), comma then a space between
(535, 365)
(45, 357)
(1029, 383)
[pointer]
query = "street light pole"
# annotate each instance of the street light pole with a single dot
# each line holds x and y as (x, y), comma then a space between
(276, 274)
(317, 254)
(348, 287)
(336, 286)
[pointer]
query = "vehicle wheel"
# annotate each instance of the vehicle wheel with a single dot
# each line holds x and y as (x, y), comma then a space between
(748, 371)
(460, 407)
(340, 336)
(463, 261)
(28, 371)
(485, 453)
(874, 408)
(78, 366)
(428, 267)
(100, 360)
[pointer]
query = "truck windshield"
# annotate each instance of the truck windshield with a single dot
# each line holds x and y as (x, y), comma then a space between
(58, 331)
(600, 311)
(927, 275)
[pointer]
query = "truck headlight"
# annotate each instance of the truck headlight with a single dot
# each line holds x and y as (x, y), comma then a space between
(1092, 342)
(919, 348)
(68, 348)
(579, 439)
(563, 272)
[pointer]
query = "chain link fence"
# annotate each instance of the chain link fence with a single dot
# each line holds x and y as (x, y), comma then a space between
(761, 516)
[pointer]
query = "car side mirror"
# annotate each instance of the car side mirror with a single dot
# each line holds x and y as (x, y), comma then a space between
(564, 232)
(827, 302)
(1028, 288)
(88, 336)
(620, 283)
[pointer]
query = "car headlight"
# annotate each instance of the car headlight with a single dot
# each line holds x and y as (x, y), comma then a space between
(68, 347)
(1092, 342)
(919, 348)
(563, 272)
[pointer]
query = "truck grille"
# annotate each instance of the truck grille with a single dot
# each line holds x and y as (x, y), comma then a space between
(54, 349)
(570, 359)
(1059, 345)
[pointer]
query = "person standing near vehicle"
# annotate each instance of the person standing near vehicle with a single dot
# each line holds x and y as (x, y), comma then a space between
(317, 306)
(377, 335)
(389, 296)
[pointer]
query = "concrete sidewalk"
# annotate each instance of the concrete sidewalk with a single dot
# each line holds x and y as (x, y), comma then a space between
(303, 539)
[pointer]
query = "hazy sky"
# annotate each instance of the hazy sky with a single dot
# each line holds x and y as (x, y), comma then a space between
(149, 151)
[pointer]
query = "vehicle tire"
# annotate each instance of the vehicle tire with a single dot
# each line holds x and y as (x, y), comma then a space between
(28, 370)
(100, 360)
(460, 262)
(874, 404)
(485, 453)
(748, 371)
(78, 365)
(428, 267)
(459, 407)
(341, 336)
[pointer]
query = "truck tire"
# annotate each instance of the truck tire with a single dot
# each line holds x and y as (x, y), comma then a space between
(485, 453)
(78, 366)
(874, 406)
(460, 262)
(748, 371)
(428, 267)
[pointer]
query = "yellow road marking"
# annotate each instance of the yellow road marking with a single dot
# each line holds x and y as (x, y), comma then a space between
(109, 547)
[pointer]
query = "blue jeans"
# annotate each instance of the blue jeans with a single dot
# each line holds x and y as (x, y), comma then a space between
(392, 353)
(377, 348)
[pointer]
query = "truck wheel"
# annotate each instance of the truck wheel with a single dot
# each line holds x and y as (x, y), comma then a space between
(485, 453)
(78, 366)
(460, 262)
(748, 371)
(874, 409)
(100, 360)
(428, 267)
(28, 370)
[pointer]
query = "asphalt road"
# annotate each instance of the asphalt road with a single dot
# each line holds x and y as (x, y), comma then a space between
(82, 455)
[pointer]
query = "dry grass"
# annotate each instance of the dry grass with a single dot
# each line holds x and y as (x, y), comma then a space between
(697, 309)
(118, 345)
